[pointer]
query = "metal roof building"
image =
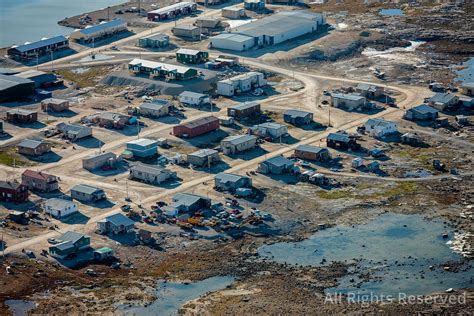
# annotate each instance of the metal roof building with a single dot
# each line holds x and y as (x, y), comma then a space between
(14, 88)
(269, 31)
(39, 48)
(99, 31)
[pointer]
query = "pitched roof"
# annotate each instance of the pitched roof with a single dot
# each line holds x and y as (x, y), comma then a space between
(239, 139)
(8, 81)
(86, 189)
(379, 122)
(188, 51)
(20, 112)
(38, 44)
(31, 143)
(155, 105)
(244, 105)
(229, 177)
(203, 153)
(102, 26)
(58, 204)
(424, 109)
(311, 149)
(148, 169)
(158, 66)
(10, 185)
(339, 137)
(346, 96)
(119, 219)
(191, 94)
(186, 199)
(297, 113)
(279, 161)
(37, 174)
(270, 125)
(72, 236)
(442, 98)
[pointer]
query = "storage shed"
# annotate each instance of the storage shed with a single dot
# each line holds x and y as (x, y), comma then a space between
(244, 109)
(196, 127)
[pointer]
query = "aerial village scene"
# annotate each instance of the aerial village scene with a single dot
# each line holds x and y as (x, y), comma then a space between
(212, 157)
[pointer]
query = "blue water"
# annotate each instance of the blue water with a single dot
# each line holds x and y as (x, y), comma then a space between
(20, 307)
(391, 12)
(28, 21)
(396, 249)
(172, 295)
(466, 74)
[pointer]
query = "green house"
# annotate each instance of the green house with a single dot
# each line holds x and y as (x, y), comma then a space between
(103, 253)
(156, 40)
(69, 243)
(191, 56)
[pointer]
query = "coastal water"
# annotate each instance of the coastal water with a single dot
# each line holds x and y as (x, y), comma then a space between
(28, 21)
(391, 12)
(20, 307)
(172, 295)
(392, 254)
(467, 73)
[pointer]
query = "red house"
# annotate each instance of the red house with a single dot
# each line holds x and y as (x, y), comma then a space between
(196, 127)
(12, 191)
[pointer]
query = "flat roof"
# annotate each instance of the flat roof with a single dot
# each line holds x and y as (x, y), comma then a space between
(30, 143)
(348, 96)
(424, 109)
(156, 36)
(21, 112)
(244, 105)
(270, 125)
(340, 137)
(297, 113)
(192, 94)
(157, 65)
(7, 81)
(188, 51)
(311, 149)
(279, 161)
(155, 104)
(148, 168)
(239, 38)
(57, 203)
(442, 97)
(204, 153)
(239, 139)
(172, 7)
(229, 177)
(143, 142)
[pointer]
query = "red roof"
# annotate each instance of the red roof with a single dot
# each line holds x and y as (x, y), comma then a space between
(36, 174)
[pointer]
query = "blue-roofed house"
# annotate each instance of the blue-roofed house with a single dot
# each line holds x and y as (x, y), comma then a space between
(99, 31)
(38, 48)
(442, 101)
(276, 165)
(421, 112)
(230, 182)
(115, 224)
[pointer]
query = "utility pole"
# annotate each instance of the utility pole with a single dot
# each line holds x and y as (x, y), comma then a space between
(108, 13)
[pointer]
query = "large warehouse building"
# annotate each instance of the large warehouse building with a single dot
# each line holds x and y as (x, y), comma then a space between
(13, 88)
(99, 31)
(269, 30)
(38, 48)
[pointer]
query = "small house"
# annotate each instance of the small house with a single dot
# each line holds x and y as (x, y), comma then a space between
(110, 120)
(349, 102)
(380, 128)
(233, 12)
(157, 108)
(232, 145)
(226, 120)
(196, 127)
(276, 165)
(194, 98)
(39, 181)
(243, 110)
(12, 191)
(22, 116)
(93, 162)
(151, 174)
(422, 113)
(74, 132)
(32, 147)
(115, 224)
(103, 253)
(297, 117)
(186, 31)
(373, 166)
(203, 157)
(59, 208)
(69, 243)
(207, 22)
(231, 182)
(143, 148)
(467, 88)
(342, 141)
(369, 91)
(191, 56)
(271, 130)
(186, 203)
(357, 163)
(87, 193)
(443, 101)
(54, 105)
(156, 40)
(314, 153)
(411, 139)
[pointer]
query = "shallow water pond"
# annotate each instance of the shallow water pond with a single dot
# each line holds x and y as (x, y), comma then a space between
(20, 307)
(391, 12)
(396, 250)
(173, 295)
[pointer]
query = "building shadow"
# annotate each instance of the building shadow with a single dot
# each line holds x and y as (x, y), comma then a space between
(68, 113)
(89, 142)
(102, 204)
(108, 40)
(250, 154)
(76, 218)
(208, 140)
(48, 157)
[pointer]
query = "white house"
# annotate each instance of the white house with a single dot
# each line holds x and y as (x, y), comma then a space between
(273, 130)
(194, 98)
(380, 128)
(59, 208)
(241, 83)
(157, 108)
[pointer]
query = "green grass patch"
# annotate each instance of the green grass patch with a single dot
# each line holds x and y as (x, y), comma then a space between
(400, 189)
(335, 195)
(9, 157)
